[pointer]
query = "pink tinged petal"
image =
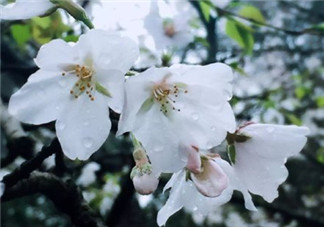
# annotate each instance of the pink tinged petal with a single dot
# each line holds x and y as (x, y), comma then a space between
(109, 50)
(212, 181)
(145, 184)
(22, 9)
(260, 160)
(42, 98)
(113, 81)
(57, 55)
(83, 126)
(194, 161)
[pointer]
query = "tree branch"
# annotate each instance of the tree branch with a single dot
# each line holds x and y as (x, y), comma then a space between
(27, 167)
(65, 195)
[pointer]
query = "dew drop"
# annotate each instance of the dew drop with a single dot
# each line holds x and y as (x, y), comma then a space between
(213, 128)
(86, 123)
(195, 208)
(60, 125)
(195, 116)
(158, 148)
(87, 142)
(62, 83)
(270, 129)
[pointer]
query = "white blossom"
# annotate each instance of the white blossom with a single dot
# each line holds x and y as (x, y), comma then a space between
(88, 175)
(171, 109)
(260, 161)
(74, 86)
(22, 9)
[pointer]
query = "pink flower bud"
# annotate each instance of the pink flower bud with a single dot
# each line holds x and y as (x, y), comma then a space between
(194, 162)
(145, 184)
(212, 181)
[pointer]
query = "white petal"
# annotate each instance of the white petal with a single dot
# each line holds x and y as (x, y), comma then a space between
(194, 160)
(113, 81)
(42, 98)
(84, 126)
(22, 9)
(138, 89)
(153, 130)
(108, 50)
(175, 200)
(204, 119)
(260, 160)
(56, 55)
(212, 181)
(145, 184)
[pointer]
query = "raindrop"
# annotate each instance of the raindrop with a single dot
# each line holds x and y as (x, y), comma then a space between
(213, 128)
(87, 142)
(270, 129)
(62, 83)
(60, 125)
(57, 107)
(158, 148)
(195, 208)
(195, 116)
(86, 123)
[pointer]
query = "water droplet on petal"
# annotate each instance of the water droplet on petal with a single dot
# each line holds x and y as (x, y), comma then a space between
(158, 148)
(87, 142)
(195, 208)
(60, 125)
(86, 123)
(270, 129)
(213, 128)
(195, 116)
(62, 83)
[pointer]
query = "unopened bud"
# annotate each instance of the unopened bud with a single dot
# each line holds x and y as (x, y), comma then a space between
(145, 184)
(212, 180)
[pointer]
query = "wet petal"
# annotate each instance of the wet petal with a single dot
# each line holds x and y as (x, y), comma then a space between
(56, 55)
(260, 160)
(83, 127)
(212, 181)
(42, 98)
(108, 50)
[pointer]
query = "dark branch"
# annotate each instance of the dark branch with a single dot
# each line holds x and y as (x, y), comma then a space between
(29, 166)
(65, 196)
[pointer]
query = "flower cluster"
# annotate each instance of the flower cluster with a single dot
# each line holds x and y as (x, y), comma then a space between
(175, 115)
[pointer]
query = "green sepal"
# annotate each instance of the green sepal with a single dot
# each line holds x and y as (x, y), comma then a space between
(231, 153)
(134, 172)
(101, 89)
(188, 177)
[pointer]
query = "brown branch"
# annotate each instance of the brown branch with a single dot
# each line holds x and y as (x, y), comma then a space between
(65, 196)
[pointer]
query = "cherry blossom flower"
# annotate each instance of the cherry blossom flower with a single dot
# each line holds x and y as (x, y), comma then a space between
(173, 30)
(74, 86)
(88, 174)
(260, 161)
(22, 9)
(182, 189)
(171, 109)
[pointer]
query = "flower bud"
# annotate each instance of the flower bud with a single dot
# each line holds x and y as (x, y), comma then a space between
(146, 183)
(212, 181)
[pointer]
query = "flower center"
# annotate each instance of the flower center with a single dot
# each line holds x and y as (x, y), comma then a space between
(85, 83)
(169, 28)
(167, 95)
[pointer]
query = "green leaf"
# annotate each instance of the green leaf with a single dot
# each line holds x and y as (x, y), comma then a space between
(240, 33)
(101, 89)
(43, 22)
(300, 92)
(205, 8)
(235, 66)
(252, 13)
(320, 101)
(231, 153)
(21, 33)
(320, 155)
(294, 119)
